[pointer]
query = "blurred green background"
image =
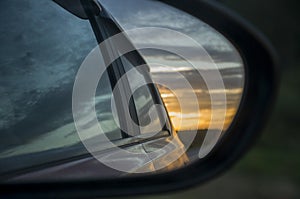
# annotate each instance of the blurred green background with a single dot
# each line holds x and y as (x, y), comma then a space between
(271, 169)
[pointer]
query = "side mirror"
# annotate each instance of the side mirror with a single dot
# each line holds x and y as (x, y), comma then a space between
(192, 86)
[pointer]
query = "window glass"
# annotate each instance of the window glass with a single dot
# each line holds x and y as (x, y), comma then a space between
(42, 47)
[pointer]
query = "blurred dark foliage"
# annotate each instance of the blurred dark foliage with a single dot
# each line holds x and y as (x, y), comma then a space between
(272, 168)
(278, 151)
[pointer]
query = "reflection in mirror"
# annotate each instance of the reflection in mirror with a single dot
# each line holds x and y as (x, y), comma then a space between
(165, 66)
(38, 135)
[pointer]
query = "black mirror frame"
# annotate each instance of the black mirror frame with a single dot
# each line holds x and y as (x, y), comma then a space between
(259, 95)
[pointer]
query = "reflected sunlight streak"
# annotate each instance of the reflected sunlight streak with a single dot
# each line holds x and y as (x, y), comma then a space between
(191, 121)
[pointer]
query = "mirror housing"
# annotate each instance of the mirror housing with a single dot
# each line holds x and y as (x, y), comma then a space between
(260, 91)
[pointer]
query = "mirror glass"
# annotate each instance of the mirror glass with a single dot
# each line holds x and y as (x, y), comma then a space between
(47, 135)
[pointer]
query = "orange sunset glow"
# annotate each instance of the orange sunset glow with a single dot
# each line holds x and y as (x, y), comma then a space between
(204, 117)
(191, 120)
